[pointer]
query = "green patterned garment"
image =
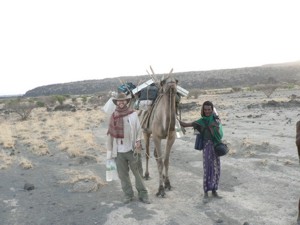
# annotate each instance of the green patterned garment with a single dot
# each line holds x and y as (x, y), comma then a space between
(212, 123)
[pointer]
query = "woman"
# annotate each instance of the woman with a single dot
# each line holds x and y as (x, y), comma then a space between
(210, 127)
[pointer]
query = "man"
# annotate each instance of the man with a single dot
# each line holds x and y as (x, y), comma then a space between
(124, 144)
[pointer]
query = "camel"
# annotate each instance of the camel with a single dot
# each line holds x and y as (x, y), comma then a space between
(160, 122)
(298, 146)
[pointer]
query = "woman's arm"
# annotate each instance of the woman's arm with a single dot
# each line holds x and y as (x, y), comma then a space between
(183, 124)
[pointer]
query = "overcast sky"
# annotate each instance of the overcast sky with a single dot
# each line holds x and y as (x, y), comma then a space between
(56, 41)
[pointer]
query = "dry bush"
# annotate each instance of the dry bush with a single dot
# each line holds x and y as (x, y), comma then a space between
(50, 101)
(22, 107)
(78, 136)
(7, 139)
(102, 98)
(236, 89)
(96, 100)
(5, 160)
(73, 149)
(65, 131)
(25, 163)
(267, 89)
(77, 176)
(70, 131)
(38, 147)
(29, 134)
(195, 93)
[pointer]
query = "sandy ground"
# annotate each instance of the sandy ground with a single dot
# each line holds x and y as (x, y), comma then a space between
(260, 182)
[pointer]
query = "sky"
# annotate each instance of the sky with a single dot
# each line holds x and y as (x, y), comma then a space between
(48, 42)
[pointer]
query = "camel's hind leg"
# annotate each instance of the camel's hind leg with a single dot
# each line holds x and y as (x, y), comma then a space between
(160, 166)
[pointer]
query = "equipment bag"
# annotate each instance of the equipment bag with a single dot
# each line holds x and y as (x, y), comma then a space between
(149, 93)
(126, 88)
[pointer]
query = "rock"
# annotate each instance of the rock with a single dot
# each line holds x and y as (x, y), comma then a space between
(28, 187)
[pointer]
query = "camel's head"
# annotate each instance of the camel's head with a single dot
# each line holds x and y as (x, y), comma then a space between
(169, 83)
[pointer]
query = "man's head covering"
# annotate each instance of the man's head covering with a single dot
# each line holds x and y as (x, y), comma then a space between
(120, 97)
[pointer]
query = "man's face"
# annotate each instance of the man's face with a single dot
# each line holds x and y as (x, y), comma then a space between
(121, 103)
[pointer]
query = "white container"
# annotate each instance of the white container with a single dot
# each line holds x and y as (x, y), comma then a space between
(182, 91)
(108, 175)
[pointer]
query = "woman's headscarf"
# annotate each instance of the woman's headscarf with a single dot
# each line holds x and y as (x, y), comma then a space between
(212, 122)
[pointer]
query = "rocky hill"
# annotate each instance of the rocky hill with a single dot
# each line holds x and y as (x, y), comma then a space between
(239, 77)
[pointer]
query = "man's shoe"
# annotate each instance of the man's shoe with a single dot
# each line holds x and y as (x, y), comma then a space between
(144, 200)
(127, 200)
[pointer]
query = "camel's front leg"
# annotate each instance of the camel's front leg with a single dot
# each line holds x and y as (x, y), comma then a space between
(160, 166)
(147, 145)
(170, 142)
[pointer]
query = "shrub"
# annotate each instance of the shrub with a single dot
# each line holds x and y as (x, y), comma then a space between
(40, 104)
(60, 99)
(267, 89)
(84, 99)
(22, 107)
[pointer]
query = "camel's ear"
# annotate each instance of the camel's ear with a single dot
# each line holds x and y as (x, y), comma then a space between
(176, 81)
(171, 71)
(162, 81)
(152, 70)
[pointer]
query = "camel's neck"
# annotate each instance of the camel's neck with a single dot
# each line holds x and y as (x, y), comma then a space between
(168, 108)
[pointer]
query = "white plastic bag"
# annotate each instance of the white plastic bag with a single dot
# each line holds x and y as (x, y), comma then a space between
(111, 170)
(109, 106)
(178, 130)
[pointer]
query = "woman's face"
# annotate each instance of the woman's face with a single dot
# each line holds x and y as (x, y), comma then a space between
(207, 109)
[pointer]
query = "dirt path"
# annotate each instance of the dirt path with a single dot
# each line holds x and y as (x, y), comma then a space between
(259, 183)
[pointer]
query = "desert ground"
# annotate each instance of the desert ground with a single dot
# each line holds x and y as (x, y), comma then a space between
(52, 168)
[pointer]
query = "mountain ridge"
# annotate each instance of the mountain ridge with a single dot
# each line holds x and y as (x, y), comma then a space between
(222, 78)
